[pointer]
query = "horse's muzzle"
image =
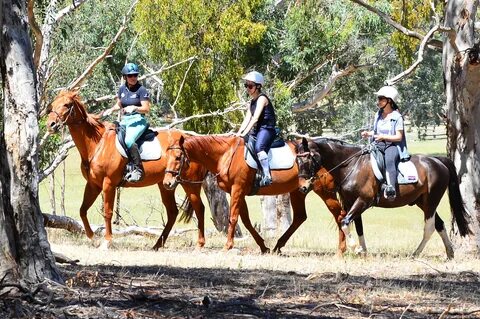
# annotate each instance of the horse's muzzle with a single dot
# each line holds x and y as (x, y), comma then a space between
(52, 127)
(305, 189)
(170, 184)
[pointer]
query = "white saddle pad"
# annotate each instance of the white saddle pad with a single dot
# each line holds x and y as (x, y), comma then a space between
(407, 172)
(278, 158)
(149, 151)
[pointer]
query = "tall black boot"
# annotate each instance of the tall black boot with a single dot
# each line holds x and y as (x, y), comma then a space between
(136, 174)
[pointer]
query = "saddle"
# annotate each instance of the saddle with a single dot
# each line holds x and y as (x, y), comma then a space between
(280, 157)
(407, 172)
(148, 146)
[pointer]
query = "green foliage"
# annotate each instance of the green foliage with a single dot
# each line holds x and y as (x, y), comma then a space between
(217, 33)
(414, 15)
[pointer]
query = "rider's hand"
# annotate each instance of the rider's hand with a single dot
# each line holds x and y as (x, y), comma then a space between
(107, 112)
(129, 109)
(365, 134)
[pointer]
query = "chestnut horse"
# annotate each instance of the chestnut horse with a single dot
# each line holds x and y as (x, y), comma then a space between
(103, 166)
(224, 156)
(359, 189)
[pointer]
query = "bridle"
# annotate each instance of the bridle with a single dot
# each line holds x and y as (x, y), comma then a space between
(311, 176)
(71, 112)
(177, 173)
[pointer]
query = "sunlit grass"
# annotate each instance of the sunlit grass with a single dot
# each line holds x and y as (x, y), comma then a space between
(387, 231)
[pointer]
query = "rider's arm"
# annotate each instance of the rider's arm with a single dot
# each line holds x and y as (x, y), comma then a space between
(145, 108)
(245, 122)
(390, 138)
(261, 103)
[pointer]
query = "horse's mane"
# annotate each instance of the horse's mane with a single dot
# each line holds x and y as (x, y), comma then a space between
(208, 142)
(321, 140)
(95, 125)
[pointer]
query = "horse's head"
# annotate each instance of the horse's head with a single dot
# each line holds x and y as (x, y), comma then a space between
(65, 109)
(177, 161)
(309, 162)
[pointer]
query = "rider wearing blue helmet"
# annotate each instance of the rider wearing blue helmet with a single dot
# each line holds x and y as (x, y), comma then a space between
(134, 101)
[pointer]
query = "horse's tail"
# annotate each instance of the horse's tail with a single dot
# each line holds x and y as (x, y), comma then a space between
(459, 213)
(187, 210)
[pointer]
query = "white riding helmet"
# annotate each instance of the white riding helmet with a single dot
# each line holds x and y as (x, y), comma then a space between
(255, 77)
(389, 92)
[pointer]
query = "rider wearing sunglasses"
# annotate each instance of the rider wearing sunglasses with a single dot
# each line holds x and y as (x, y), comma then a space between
(260, 121)
(389, 135)
(134, 101)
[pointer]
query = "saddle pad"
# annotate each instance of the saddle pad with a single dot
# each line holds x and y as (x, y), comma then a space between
(149, 150)
(278, 158)
(407, 172)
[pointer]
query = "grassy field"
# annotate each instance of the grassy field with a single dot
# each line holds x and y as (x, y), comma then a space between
(395, 231)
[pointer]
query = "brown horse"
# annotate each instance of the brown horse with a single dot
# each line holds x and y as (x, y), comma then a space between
(359, 189)
(103, 166)
(224, 156)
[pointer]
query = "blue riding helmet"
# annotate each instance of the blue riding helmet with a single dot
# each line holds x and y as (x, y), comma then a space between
(130, 68)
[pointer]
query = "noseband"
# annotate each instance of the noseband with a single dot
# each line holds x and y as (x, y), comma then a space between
(71, 111)
(311, 176)
(177, 174)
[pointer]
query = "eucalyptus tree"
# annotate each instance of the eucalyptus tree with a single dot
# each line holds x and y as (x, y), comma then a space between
(25, 257)
(451, 28)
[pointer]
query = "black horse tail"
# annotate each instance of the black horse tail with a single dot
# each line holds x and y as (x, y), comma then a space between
(459, 213)
(187, 210)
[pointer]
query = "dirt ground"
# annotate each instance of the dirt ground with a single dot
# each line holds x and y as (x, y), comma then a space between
(182, 284)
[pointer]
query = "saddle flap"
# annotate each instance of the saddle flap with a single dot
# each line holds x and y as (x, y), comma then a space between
(148, 146)
(278, 158)
(407, 172)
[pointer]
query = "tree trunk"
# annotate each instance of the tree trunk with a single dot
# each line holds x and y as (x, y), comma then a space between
(276, 214)
(26, 255)
(53, 206)
(217, 200)
(462, 74)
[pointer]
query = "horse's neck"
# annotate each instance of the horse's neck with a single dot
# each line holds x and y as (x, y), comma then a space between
(334, 155)
(86, 139)
(207, 151)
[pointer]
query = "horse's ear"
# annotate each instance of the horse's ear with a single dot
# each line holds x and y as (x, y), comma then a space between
(305, 144)
(181, 141)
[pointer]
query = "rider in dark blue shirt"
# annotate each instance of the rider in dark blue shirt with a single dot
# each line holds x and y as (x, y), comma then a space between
(260, 121)
(134, 101)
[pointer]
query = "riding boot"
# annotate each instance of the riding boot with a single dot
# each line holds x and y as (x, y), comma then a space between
(267, 178)
(136, 174)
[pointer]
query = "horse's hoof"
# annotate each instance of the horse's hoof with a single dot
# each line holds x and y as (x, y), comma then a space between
(360, 252)
(265, 251)
(106, 245)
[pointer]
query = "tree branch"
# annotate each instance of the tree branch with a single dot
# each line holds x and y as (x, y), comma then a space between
(79, 81)
(336, 74)
(61, 155)
(36, 31)
(396, 25)
(232, 108)
(75, 4)
(181, 88)
(421, 50)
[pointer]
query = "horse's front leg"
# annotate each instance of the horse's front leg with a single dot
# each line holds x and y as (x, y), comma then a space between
(297, 199)
(168, 200)
(248, 225)
(193, 193)
(355, 211)
(90, 194)
(108, 202)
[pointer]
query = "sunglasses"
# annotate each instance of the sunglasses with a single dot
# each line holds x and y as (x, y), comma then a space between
(132, 75)
(381, 98)
(249, 86)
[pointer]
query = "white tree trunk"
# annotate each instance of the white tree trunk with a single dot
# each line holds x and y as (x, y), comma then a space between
(462, 78)
(276, 213)
(28, 253)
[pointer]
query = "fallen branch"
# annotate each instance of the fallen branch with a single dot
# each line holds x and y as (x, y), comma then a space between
(63, 222)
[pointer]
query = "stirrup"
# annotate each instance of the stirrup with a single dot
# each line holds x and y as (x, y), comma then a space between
(134, 176)
(389, 192)
(266, 181)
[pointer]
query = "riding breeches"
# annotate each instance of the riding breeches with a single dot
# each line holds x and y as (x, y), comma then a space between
(392, 158)
(134, 126)
(265, 138)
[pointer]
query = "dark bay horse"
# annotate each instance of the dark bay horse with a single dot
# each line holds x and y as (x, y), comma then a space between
(359, 189)
(224, 156)
(103, 166)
